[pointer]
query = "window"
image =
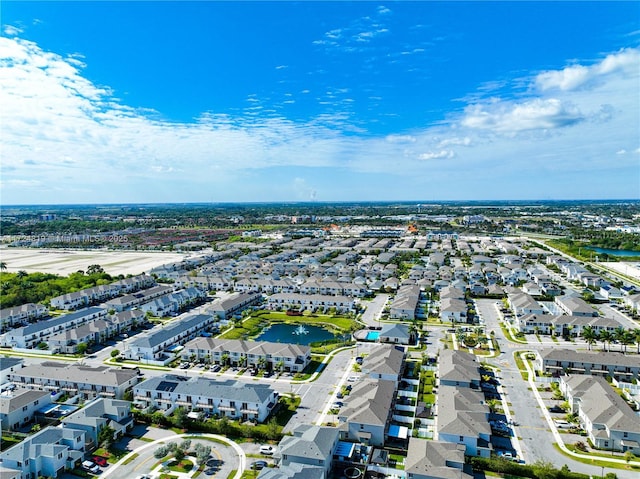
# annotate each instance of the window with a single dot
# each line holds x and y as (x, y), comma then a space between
(461, 438)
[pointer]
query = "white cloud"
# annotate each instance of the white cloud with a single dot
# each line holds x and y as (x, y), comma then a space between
(11, 30)
(83, 139)
(573, 77)
(400, 139)
(437, 155)
(466, 141)
(513, 117)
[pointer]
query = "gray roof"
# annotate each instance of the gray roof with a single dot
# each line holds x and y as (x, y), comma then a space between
(43, 443)
(213, 388)
(99, 411)
(599, 358)
(73, 373)
(432, 458)
(458, 366)
(395, 330)
(384, 359)
(161, 335)
(59, 321)
(19, 398)
(293, 471)
(8, 363)
(248, 347)
(369, 402)
(308, 441)
(602, 405)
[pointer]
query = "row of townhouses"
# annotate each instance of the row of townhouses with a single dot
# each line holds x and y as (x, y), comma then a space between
(256, 354)
(102, 293)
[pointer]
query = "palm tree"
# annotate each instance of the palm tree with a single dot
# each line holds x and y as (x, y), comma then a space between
(619, 337)
(636, 338)
(606, 337)
(590, 336)
(3, 266)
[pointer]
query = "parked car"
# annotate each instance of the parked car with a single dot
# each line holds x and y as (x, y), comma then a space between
(100, 461)
(184, 365)
(560, 424)
(267, 450)
(259, 465)
(91, 467)
(215, 368)
(353, 378)
(556, 409)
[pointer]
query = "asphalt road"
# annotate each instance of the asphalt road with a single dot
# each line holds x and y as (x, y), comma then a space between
(536, 440)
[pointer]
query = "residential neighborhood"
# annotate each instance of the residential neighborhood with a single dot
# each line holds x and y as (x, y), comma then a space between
(339, 352)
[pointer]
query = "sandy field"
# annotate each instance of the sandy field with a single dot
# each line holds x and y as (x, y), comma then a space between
(63, 262)
(630, 269)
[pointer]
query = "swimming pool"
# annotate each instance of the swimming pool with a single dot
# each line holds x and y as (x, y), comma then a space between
(373, 335)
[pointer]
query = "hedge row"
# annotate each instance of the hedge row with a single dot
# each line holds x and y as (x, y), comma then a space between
(534, 471)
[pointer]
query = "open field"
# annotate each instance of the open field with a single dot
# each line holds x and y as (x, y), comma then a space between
(63, 262)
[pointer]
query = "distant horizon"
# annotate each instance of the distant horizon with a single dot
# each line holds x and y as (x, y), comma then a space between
(279, 101)
(310, 203)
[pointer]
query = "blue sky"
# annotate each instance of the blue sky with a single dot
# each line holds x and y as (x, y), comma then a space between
(329, 101)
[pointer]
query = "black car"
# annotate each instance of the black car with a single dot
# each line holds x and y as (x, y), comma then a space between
(259, 465)
(556, 409)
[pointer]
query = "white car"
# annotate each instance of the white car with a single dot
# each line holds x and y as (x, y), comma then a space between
(353, 378)
(267, 450)
(91, 467)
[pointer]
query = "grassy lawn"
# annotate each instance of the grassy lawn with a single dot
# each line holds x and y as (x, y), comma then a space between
(131, 458)
(183, 466)
(342, 323)
(599, 463)
(8, 441)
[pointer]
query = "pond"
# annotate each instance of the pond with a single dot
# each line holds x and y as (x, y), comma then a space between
(614, 252)
(291, 333)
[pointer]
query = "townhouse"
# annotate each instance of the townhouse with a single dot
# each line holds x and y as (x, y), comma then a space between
(98, 294)
(406, 302)
(557, 361)
(153, 345)
(367, 412)
(457, 368)
(171, 303)
(130, 301)
(85, 381)
(312, 447)
(608, 420)
(99, 414)
(31, 335)
(523, 303)
(436, 460)
(7, 366)
(463, 418)
(397, 334)
(465, 423)
(453, 310)
(312, 302)
(225, 309)
(256, 354)
(563, 325)
(574, 306)
(18, 406)
(384, 362)
(25, 313)
(233, 399)
(47, 453)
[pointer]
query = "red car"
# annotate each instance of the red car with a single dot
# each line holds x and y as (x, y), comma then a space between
(100, 461)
